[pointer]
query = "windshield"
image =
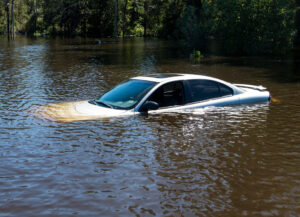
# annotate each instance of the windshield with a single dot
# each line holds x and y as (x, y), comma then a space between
(126, 95)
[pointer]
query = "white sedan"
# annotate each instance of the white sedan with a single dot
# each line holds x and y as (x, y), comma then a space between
(156, 94)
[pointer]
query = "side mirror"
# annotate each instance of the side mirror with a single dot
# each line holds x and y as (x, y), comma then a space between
(149, 105)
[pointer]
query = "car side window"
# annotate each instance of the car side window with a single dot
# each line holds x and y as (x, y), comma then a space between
(205, 90)
(224, 90)
(169, 94)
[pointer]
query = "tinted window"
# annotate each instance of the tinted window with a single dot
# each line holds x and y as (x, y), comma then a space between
(170, 94)
(224, 90)
(203, 90)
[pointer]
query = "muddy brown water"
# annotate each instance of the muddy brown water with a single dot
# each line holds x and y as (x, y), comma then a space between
(235, 161)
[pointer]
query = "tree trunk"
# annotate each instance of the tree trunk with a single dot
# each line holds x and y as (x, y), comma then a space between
(76, 19)
(7, 15)
(297, 22)
(12, 20)
(124, 18)
(116, 19)
(145, 18)
(84, 26)
(35, 16)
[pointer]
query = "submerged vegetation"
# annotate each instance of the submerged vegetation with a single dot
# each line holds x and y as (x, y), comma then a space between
(243, 26)
(196, 55)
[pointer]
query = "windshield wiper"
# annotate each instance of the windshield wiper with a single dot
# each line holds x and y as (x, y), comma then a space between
(92, 101)
(95, 102)
(103, 103)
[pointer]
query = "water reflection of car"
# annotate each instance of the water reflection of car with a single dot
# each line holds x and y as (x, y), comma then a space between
(159, 93)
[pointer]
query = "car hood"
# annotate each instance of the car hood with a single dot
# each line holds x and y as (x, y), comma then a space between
(86, 108)
(76, 111)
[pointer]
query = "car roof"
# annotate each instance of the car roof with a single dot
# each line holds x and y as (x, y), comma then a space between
(172, 77)
(168, 77)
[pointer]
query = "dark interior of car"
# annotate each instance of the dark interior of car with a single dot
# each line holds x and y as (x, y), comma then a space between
(169, 95)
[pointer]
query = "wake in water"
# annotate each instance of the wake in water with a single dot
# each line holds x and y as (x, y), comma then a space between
(79, 111)
(63, 112)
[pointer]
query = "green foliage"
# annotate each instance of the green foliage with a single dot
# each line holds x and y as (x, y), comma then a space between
(191, 29)
(172, 12)
(196, 54)
(297, 22)
(243, 26)
(255, 26)
(2, 18)
(22, 15)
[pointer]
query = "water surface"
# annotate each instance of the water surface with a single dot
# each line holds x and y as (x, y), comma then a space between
(235, 161)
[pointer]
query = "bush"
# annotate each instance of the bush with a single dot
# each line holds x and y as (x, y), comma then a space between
(243, 26)
(196, 54)
(255, 26)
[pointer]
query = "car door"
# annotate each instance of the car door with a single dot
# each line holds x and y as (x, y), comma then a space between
(170, 96)
(203, 93)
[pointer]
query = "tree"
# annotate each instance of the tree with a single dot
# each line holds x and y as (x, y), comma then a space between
(242, 26)
(7, 16)
(172, 13)
(116, 18)
(256, 26)
(297, 22)
(35, 15)
(12, 19)
(124, 20)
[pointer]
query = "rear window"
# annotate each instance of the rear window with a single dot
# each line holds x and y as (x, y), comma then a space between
(206, 89)
(225, 90)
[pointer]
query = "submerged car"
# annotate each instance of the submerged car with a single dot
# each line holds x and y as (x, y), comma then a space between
(158, 93)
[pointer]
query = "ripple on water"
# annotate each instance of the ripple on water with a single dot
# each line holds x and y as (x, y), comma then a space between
(239, 161)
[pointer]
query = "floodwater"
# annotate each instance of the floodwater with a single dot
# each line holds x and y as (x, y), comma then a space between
(234, 161)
